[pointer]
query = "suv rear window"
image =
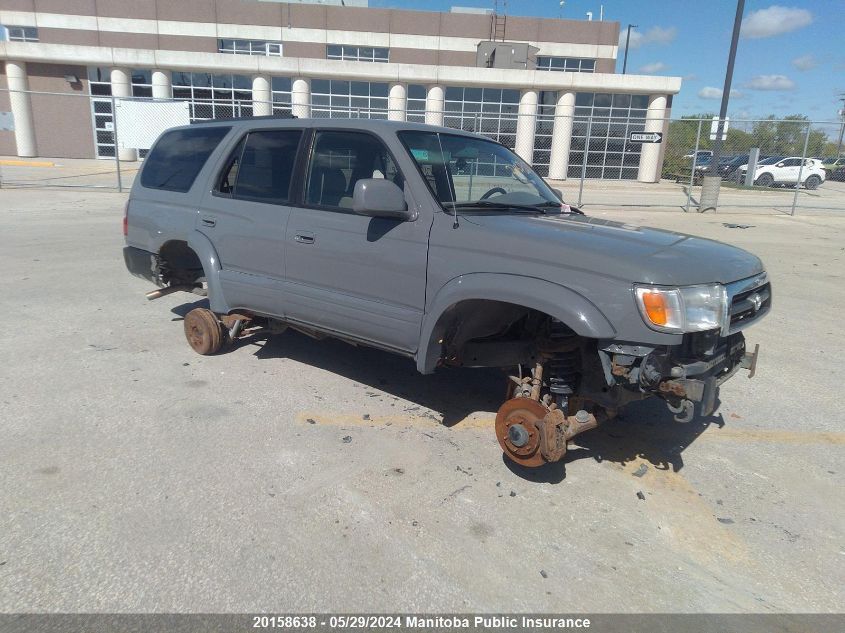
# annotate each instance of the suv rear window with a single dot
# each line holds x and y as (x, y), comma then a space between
(178, 156)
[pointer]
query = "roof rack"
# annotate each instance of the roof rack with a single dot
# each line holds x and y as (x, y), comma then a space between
(264, 117)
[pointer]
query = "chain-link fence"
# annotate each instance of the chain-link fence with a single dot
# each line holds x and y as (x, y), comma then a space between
(610, 158)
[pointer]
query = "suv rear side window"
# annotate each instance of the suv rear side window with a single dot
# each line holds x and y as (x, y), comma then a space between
(178, 156)
(261, 168)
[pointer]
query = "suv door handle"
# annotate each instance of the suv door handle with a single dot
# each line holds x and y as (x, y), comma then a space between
(208, 221)
(304, 238)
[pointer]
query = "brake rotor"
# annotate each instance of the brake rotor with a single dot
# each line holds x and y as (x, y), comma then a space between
(517, 432)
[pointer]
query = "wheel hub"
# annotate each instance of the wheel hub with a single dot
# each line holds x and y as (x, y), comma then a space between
(517, 430)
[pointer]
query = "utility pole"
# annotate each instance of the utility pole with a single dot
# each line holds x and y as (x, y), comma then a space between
(712, 180)
(627, 42)
(842, 126)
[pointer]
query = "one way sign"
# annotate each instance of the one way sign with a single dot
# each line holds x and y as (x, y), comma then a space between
(645, 137)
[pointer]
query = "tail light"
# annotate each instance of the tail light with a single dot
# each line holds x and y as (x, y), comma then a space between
(126, 219)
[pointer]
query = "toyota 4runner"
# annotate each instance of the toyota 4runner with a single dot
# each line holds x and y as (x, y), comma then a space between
(445, 247)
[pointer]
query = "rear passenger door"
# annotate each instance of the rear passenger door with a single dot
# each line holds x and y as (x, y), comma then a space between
(349, 273)
(245, 215)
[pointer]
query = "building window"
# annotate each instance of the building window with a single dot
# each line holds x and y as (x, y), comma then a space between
(142, 83)
(250, 47)
(566, 64)
(416, 103)
(20, 33)
(543, 128)
(214, 96)
(488, 111)
(348, 99)
(281, 90)
(357, 53)
(99, 87)
(607, 119)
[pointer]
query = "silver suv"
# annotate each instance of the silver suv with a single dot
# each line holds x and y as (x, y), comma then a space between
(447, 248)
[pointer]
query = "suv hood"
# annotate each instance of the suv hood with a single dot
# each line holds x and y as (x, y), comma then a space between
(616, 249)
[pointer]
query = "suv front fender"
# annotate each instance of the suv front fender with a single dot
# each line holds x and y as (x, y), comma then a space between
(557, 301)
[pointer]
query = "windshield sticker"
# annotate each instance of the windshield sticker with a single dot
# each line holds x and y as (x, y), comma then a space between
(420, 154)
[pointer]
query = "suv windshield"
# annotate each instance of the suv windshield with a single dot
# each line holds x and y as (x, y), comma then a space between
(468, 172)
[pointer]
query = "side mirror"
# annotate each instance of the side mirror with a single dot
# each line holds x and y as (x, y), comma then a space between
(779, 165)
(380, 198)
(558, 193)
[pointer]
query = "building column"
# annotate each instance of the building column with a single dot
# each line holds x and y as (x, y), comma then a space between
(435, 102)
(262, 96)
(397, 102)
(300, 98)
(526, 125)
(161, 85)
(649, 170)
(121, 86)
(21, 108)
(562, 135)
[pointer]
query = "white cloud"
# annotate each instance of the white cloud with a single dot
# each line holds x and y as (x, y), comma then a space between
(691, 77)
(770, 82)
(709, 92)
(655, 35)
(805, 62)
(775, 20)
(655, 67)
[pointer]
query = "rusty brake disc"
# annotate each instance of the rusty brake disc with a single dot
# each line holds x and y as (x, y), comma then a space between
(517, 430)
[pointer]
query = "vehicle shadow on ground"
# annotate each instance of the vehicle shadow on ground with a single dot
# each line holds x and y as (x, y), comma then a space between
(644, 431)
(453, 393)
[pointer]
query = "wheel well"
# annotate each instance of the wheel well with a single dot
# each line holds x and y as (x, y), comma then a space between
(178, 263)
(483, 332)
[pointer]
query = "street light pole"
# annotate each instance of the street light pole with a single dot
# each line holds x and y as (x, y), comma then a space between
(627, 42)
(712, 180)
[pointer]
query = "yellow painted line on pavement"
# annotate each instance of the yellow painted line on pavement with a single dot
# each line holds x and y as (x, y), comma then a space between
(775, 435)
(27, 163)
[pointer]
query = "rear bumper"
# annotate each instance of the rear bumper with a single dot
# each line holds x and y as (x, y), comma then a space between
(141, 263)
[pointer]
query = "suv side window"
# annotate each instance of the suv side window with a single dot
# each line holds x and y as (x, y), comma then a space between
(792, 162)
(261, 166)
(178, 156)
(341, 159)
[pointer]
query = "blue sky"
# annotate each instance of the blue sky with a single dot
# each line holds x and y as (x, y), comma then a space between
(791, 56)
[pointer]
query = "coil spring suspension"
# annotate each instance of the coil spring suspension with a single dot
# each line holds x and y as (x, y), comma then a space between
(563, 370)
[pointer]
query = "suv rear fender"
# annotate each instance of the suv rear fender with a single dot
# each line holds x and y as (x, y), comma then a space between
(557, 301)
(204, 249)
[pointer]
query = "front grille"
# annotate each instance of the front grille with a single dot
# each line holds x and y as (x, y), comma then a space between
(749, 299)
(747, 305)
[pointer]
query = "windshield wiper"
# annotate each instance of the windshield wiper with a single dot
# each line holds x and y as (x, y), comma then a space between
(489, 204)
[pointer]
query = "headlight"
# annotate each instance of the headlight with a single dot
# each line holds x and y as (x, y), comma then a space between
(687, 309)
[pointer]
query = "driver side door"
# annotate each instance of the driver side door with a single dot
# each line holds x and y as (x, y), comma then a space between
(359, 276)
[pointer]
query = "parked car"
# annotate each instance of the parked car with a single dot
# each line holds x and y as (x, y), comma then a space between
(365, 231)
(838, 173)
(785, 171)
(702, 153)
(830, 165)
(729, 169)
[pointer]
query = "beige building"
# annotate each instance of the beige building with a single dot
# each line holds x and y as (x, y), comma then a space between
(544, 87)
